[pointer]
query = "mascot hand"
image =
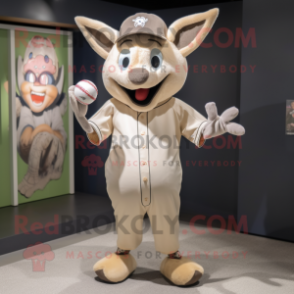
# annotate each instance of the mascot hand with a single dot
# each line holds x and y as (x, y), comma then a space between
(44, 163)
(218, 125)
(79, 110)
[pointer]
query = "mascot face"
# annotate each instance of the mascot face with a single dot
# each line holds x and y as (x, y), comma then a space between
(145, 62)
(38, 89)
(142, 71)
(38, 84)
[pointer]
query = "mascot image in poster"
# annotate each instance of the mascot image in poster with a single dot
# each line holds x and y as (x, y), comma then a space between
(145, 65)
(41, 138)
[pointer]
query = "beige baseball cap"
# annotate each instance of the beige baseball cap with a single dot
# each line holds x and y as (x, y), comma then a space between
(143, 23)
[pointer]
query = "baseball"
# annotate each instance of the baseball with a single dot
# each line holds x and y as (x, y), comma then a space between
(85, 92)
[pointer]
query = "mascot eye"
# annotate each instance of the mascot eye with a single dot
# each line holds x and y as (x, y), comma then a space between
(30, 77)
(46, 79)
(156, 58)
(31, 55)
(124, 59)
(46, 58)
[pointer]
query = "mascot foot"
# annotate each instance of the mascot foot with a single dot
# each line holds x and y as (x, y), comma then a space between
(115, 268)
(181, 271)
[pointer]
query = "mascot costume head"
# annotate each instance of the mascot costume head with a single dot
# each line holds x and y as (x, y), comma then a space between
(145, 62)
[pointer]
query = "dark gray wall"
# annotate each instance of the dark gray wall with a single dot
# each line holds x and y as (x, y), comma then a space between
(266, 175)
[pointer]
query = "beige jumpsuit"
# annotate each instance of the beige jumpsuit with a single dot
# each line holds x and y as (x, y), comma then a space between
(143, 171)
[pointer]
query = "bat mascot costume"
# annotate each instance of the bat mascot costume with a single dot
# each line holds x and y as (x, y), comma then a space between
(144, 67)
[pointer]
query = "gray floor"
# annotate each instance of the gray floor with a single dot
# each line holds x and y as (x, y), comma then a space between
(268, 266)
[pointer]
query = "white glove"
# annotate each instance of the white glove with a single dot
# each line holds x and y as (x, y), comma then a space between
(80, 111)
(218, 125)
(44, 164)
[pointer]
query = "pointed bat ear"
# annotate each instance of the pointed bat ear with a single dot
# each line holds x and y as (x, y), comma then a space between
(187, 33)
(100, 36)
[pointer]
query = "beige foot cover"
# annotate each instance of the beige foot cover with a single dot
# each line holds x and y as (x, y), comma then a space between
(115, 268)
(181, 272)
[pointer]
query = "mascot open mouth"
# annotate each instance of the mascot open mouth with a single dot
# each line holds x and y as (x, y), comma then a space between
(37, 98)
(143, 96)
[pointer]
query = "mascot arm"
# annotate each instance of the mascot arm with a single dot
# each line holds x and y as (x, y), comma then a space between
(29, 134)
(192, 123)
(45, 128)
(101, 123)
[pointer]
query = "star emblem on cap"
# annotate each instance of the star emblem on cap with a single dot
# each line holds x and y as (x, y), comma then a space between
(140, 21)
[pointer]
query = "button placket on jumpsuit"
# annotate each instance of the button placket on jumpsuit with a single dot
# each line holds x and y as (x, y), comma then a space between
(143, 148)
(145, 183)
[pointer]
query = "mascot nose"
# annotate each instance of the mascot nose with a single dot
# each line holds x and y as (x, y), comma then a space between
(138, 76)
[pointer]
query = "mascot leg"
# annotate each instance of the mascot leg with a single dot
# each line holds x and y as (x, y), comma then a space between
(129, 226)
(164, 217)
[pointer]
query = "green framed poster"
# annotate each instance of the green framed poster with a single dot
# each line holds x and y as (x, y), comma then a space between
(5, 156)
(42, 114)
(35, 107)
